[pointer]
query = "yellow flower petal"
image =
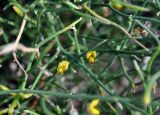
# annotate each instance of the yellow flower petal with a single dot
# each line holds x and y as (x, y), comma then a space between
(95, 111)
(91, 60)
(91, 55)
(95, 102)
(60, 70)
(63, 66)
(92, 107)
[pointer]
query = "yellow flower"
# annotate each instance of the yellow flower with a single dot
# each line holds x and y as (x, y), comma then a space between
(63, 66)
(18, 11)
(91, 55)
(92, 107)
(116, 4)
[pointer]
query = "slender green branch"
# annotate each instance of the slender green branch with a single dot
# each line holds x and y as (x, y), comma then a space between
(73, 96)
(77, 44)
(44, 68)
(149, 65)
(58, 33)
(138, 69)
(31, 112)
(126, 74)
(108, 22)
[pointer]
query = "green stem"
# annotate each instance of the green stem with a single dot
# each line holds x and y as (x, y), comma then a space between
(58, 33)
(125, 52)
(108, 22)
(31, 112)
(77, 44)
(13, 105)
(149, 65)
(46, 111)
(73, 96)
(133, 7)
(150, 81)
(44, 68)
(126, 74)
(139, 71)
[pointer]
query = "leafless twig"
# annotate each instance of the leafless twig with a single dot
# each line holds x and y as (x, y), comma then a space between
(12, 47)
(16, 60)
(21, 31)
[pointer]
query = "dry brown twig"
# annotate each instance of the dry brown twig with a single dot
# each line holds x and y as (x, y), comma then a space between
(13, 47)
(18, 63)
